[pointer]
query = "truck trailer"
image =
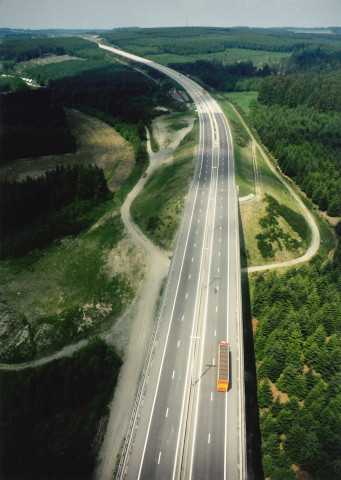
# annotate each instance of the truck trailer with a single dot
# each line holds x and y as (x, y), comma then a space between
(223, 367)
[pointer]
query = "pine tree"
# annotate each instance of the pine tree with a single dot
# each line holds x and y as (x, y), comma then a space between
(265, 394)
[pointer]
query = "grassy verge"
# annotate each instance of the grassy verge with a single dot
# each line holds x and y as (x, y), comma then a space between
(55, 427)
(158, 208)
(242, 149)
(242, 99)
(244, 170)
(129, 184)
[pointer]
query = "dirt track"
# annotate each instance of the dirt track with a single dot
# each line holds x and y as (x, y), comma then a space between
(135, 326)
(141, 320)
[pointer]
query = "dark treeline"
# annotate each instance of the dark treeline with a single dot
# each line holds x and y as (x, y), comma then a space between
(219, 76)
(121, 97)
(114, 93)
(53, 417)
(36, 211)
(32, 126)
(314, 60)
(12, 84)
(23, 49)
(297, 346)
(113, 89)
(305, 139)
(321, 92)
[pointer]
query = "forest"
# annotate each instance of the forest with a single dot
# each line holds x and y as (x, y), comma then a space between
(224, 77)
(33, 123)
(95, 83)
(298, 358)
(321, 92)
(314, 59)
(298, 118)
(36, 211)
(30, 125)
(12, 84)
(297, 314)
(193, 40)
(54, 427)
(115, 94)
(23, 49)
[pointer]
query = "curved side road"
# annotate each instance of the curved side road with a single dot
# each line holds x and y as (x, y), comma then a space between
(315, 237)
(140, 238)
(67, 351)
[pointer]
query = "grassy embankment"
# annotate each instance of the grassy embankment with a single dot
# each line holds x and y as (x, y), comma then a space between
(294, 236)
(158, 208)
(242, 100)
(77, 286)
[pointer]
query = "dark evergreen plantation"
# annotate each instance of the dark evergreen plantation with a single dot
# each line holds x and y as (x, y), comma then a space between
(15, 50)
(53, 428)
(298, 348)
(298, 118)
(202, 40)
(224, 77)
(32, 126)
(36, 211)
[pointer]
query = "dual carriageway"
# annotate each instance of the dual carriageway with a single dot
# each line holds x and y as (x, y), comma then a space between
(184, 428)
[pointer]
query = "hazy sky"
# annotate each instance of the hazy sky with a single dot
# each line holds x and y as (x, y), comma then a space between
(107, 14)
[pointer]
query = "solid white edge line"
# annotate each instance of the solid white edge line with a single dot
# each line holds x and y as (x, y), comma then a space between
(168, 332)
(190, 348)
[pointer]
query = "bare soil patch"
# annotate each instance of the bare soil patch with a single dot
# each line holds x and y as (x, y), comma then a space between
(46, 60)
(332, 220)
(37, 298)
(254, 325)
(283, 397)
(300, 474)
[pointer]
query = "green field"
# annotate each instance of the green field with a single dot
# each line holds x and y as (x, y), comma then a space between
(242, 99)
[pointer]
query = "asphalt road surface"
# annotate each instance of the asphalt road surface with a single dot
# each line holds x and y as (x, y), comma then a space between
(186, 428)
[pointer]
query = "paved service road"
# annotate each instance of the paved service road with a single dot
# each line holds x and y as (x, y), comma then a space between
(186, 429)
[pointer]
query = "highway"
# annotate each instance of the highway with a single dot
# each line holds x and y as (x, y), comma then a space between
(185, 428)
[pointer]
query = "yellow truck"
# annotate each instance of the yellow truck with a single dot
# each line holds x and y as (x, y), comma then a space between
(223, 367)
